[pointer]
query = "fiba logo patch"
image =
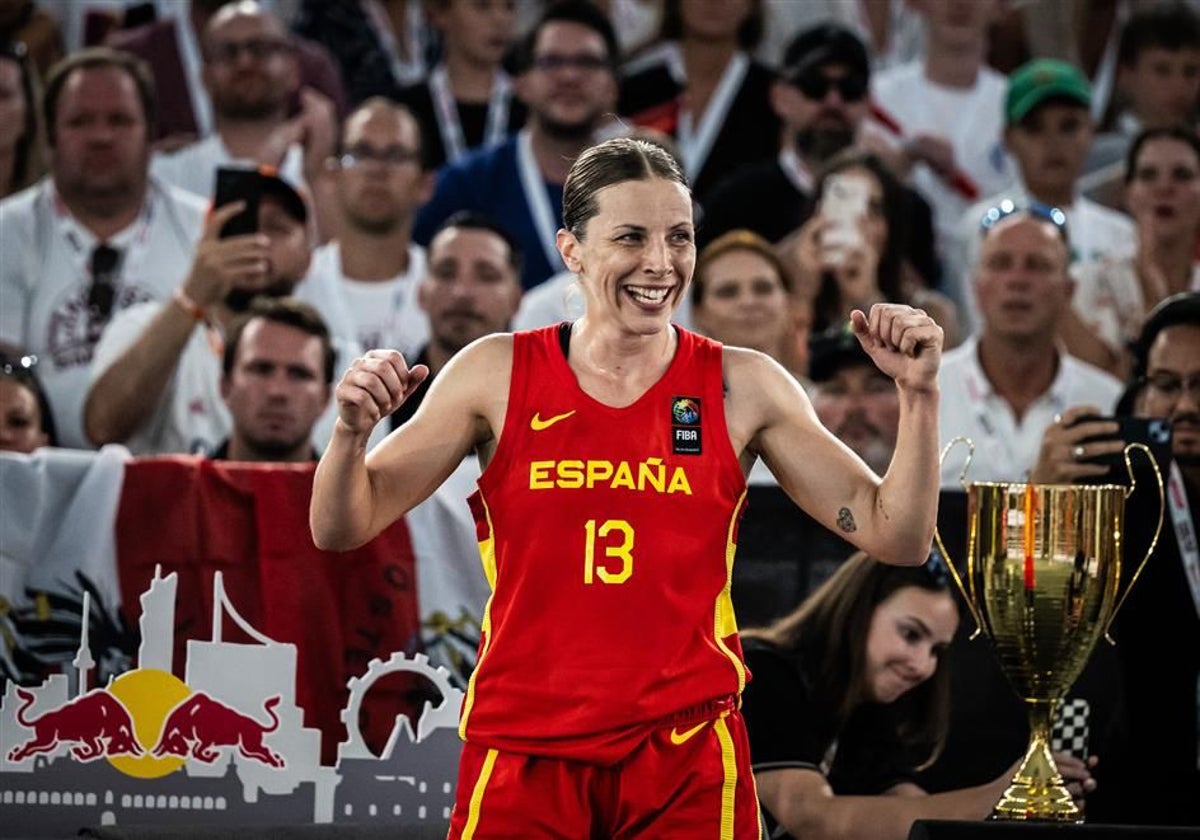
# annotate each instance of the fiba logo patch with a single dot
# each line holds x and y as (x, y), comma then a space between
(71, 333)
(685, 425)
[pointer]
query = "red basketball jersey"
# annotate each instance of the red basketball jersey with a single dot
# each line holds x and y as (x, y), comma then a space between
(608, 537)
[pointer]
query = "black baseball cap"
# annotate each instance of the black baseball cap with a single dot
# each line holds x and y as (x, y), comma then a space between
(826, 43)
(832, 350)
(274, 185)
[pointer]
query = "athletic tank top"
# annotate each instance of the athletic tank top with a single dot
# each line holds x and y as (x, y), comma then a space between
(607, 535)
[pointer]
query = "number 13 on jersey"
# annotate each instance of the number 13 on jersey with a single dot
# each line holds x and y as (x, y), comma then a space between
(616, 538)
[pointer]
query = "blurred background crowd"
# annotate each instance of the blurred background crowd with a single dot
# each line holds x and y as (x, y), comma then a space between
(1026, 171)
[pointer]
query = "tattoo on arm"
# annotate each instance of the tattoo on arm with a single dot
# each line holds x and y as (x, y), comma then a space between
(845, 520)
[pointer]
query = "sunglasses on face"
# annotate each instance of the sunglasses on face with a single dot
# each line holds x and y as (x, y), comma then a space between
(102, 293)
(816, 85)
(1039, 211)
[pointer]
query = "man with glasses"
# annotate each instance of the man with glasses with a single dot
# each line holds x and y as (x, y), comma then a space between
(365, 280)
(171, 47)
(251, 74)
(568, 83)
(1005, 387)
(1048, 130)
(97, 236)
(1162, 614)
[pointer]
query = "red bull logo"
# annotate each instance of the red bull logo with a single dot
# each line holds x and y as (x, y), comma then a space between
(97, 723)
(200, 724)
(146, 723)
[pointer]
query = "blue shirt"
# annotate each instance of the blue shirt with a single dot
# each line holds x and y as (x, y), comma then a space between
(488, 181)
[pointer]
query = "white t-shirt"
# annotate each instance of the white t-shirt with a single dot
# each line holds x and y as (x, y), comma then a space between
(191, 417)
(376, 314)
(45, 279)
(1094, 232)
(194, 167)
(1006, 450)
(972, 119)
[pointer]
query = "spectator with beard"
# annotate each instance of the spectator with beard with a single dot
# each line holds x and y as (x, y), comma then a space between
(1164, 604)
(252, 74)
(171, 46)
(96, 237)
(364, 281)
(568, 82)
(276, 380)
(156, 384)
(471, 289)
(821, 97)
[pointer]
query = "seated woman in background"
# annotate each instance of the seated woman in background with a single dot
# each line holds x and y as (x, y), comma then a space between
(865, 266)
(850, 696)
(25, 420)
(1113, 294)
(742, 296)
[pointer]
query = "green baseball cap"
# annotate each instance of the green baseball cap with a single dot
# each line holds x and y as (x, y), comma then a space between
(1034, 82)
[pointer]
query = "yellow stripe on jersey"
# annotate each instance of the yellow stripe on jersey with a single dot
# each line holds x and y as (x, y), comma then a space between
(485, 773)
(724, 621)
(729, 785)
(487, 553)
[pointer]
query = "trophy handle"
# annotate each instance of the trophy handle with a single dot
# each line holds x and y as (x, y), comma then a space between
(1157, 529)
(937, 536)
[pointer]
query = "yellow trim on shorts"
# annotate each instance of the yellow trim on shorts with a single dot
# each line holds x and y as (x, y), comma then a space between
(724, 621)
(729, 785)
(485, 773)
(487, 554)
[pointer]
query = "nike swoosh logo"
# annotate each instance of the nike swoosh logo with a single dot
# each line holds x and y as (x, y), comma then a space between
(678, 737)
(537, 423)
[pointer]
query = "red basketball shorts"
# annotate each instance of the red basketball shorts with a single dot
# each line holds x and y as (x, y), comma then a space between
(680, 782)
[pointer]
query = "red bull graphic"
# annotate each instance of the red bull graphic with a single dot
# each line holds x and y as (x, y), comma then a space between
(96, 722)
(200, 725)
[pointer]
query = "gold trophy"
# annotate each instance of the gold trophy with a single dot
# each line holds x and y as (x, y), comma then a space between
(1043, 574)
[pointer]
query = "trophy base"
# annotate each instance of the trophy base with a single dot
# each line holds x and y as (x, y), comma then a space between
(1037, 792)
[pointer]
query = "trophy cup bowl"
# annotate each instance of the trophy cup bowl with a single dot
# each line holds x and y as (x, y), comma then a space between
(1043, 583)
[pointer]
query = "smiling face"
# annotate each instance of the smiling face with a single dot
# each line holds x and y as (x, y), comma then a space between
(909, 632)
(637, 254)
(744, 303)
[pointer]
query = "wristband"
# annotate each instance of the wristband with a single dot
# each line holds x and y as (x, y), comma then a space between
(188, 305)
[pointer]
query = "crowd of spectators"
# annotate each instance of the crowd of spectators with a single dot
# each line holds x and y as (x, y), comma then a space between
(1028, 174)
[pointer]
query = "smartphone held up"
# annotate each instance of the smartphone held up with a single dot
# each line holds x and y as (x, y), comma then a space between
(843, 207)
